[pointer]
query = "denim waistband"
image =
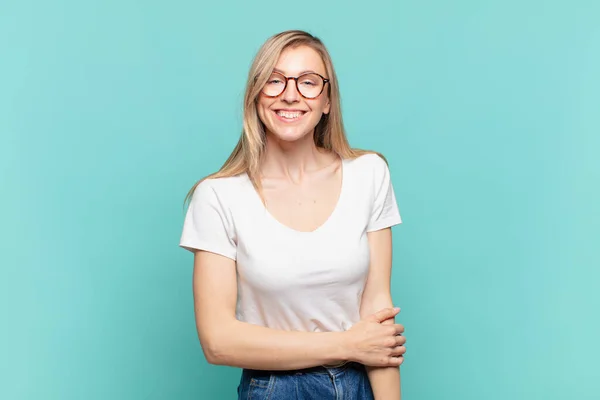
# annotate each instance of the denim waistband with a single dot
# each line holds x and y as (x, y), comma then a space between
(321, 369)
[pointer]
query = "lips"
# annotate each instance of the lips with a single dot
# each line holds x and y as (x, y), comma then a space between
(289, 115)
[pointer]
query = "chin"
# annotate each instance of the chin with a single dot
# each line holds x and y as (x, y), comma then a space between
(289, 135)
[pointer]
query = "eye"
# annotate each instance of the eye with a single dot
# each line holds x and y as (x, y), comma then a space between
(309, 80)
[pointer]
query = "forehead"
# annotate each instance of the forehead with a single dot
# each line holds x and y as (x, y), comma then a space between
(296, 60)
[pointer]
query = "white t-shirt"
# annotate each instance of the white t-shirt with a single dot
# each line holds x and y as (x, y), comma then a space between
(287, 279)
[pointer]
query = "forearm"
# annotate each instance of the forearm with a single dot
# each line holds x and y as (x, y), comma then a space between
(385, 382)
(243, 345)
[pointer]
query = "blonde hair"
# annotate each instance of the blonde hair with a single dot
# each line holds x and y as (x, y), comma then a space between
(329, 134)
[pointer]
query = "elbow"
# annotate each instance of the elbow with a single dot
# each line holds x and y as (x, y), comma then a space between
(217, 344)
(213, 355)
(215, 351)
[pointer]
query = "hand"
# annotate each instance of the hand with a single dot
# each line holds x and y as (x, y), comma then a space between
(373, 344)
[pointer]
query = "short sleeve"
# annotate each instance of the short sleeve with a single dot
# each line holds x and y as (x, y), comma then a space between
(384, 210)
(208, 225)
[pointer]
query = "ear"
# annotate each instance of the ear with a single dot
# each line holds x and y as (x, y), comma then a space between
(327, 107)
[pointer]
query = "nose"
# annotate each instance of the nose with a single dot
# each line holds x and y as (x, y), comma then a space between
(291, 95)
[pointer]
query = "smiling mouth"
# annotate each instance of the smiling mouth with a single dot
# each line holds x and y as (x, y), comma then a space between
(289, 116)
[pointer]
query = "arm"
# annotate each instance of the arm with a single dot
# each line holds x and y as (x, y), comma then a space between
(227, 341)
(385, 381)
(208, 232)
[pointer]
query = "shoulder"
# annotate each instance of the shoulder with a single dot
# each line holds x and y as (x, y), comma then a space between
(224, 190)
(369, 165)
(374, 160)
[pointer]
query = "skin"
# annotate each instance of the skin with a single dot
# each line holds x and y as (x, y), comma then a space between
(301, 185)
(385, 381)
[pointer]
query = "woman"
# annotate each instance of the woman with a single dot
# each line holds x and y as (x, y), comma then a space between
(292, 242)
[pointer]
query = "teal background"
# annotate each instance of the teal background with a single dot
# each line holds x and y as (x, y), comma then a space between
(488, 112)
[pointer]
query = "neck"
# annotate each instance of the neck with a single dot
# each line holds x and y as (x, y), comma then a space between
(292, 160)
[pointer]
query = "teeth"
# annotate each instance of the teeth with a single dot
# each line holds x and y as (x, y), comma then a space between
(289, 115)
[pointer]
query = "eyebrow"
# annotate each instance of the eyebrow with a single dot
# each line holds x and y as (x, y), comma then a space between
(301, 73)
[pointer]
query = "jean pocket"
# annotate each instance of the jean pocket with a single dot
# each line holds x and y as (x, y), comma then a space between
(260, 388)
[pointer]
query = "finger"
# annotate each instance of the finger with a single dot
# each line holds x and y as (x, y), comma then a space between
(396, 361)
(398, 351)
(399, 328)
(400, 340)
(384, 314)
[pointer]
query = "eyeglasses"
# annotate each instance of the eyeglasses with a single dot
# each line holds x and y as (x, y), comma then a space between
(310, 85)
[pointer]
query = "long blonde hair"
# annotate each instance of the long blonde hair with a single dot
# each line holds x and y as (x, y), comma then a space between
(329, 134)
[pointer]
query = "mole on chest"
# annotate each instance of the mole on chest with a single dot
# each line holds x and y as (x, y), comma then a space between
(303, 213)
(307, 205)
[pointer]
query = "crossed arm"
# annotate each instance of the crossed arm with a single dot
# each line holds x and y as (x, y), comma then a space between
(227, 341)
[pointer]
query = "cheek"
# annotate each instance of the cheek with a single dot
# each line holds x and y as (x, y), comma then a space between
(320, 106)
(262, 110)
(318, 110)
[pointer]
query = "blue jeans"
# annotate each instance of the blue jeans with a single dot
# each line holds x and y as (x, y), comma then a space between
(348, 382)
